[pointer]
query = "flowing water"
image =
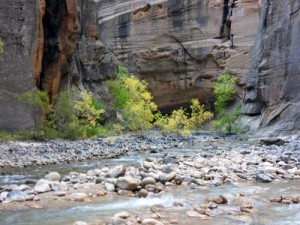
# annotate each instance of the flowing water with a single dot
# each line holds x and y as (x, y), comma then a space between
(101, 210)
(98, 212)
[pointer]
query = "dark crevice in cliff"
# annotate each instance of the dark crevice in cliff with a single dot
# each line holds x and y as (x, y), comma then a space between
(52, 24)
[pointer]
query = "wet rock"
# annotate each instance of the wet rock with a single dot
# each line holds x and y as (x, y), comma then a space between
(178, 179)
(80, 223)
(195, 214)
(122, 215)
(272, 141)
(3, 195)
(200, 162)
(21, 188)
(101, 193)
(170, 176)
(147, 165)
(143, 193)
(293, 170)
(216, 182)
(127, 183)
(156, 208)
(60, 193)
(117, 171)
(151, 222)
(278, 200)
(17, 196)
(126, 193)
(42, 186)
(170, 158)
(218, 200)
(264, 178)
(153, 188)
(148, 180)
(53, 176)
(78, 197)
(296, 200)
(249, 208)
(178, 204)
(109, 187)
(63, 186)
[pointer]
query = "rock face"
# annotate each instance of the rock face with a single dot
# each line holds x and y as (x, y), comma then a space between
(52, 45)
(18, 31)
(272, 89)
(171, 44)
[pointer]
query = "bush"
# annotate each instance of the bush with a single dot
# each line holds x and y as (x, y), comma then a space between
(133, 101)
(179, 121)
(225, 92)
(88, 109)
(77, 117)
(39, 102)
(4, 136)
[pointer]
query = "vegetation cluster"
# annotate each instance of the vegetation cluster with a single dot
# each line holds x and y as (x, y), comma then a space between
(78, 115)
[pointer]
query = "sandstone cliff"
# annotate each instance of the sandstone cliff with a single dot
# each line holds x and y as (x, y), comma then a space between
(52, 45)
(170, 44)
(273, 83)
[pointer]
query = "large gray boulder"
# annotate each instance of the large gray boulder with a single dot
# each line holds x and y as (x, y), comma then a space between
(127, 183)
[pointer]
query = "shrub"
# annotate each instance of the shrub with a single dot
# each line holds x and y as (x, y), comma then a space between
(179, 121)
(88, 109)
(77, 118)
(4, 136)
(133, 101)
(224, 91)
(198, 114)
(39, 102)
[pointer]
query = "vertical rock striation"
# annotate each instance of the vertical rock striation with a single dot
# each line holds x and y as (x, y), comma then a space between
(273, 83)
(170, 44)
(52, 45)
(20, 32)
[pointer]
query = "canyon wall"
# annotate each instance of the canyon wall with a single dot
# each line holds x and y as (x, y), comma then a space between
(51, 45)
(171, 44)
(273, 83)
(19, 32)
(57, 45)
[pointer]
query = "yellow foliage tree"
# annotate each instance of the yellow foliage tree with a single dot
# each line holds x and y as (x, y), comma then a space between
(86, 110)
(182, 122)
(133, 100)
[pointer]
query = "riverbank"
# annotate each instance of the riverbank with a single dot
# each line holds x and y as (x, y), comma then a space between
(27, 154)
(196, 163)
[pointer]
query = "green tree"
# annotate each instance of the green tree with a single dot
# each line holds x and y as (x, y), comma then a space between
(225, 92)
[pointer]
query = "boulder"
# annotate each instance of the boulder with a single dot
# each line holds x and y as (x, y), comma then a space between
(151, 222)
(263, 178)
(109, 187)
(78, 197)
(53, 176)
(127, 183)
(42, 186)
(116, 171)
(80, 223)
(148, 180)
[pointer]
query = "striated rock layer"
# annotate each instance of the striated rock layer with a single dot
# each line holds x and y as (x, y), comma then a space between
(170, 44)
(52, 45)
(273, 83)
